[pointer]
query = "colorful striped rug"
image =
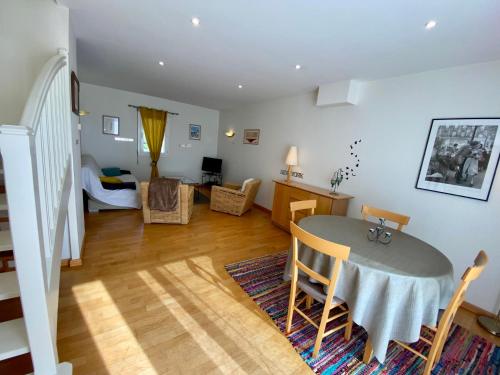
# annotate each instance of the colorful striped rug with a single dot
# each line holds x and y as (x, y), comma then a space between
(261, 279)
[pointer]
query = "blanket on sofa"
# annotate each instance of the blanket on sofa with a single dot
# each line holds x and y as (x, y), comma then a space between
(163, 194)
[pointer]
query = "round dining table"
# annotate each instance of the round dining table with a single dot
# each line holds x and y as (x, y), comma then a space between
(391, 289)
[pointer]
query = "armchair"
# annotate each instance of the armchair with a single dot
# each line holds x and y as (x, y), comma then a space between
(180, 216)
(230, 200)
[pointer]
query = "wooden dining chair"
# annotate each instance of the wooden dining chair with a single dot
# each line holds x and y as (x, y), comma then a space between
(441, 332)
(302, 205)
(315, 290)
(401, 220)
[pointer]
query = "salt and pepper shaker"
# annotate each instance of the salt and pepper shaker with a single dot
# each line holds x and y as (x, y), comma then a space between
(379, 233)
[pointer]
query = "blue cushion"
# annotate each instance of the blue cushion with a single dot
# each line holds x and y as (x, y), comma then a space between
(111, 172)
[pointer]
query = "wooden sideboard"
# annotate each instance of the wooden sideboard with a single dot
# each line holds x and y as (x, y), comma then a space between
(286, 192)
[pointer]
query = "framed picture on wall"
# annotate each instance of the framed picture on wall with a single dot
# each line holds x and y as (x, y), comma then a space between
(461, 157)
(251, 136)
(75, 94)
(195, 132)
(110, 125)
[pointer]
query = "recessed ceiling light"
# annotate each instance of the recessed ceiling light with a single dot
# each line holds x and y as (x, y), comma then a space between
(298, 67)
(161, 63)
(195, 21)
(240, 86)
(430, 24)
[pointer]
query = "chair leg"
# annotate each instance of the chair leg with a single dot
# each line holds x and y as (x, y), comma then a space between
(436, 351)
(291, 303)
(348, 328)
(429, 364)
(309, 301)
(322, 326)
(368, 354)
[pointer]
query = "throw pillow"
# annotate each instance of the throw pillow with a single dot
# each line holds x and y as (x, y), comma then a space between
(110, 180)
(111, 172)
(123, 185)
(245, 184)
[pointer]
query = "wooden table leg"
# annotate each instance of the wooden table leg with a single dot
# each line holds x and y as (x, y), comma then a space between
(368, 354)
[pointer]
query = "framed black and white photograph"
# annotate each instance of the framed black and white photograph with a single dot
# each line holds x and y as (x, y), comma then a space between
(195, 132)
(111, 125)
(461, 157)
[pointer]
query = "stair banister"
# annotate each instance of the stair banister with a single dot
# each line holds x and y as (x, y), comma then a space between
(37, 155)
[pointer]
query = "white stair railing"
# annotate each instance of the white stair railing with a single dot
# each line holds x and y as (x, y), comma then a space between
(38, 178)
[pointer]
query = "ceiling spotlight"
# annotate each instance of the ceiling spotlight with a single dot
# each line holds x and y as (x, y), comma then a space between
(430, 24)
(195, 21)
(161, 63)
(298, 67)
(240, 86)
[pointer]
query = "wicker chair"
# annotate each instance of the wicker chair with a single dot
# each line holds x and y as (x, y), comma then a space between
(232, 201)
(180, 216)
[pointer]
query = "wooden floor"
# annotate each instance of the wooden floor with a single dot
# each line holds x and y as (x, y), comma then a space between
(155, 299)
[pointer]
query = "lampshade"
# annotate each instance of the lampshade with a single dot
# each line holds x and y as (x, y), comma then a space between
(291, 158)
(230, 133)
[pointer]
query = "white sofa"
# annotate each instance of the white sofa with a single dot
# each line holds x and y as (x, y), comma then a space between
(102, 199)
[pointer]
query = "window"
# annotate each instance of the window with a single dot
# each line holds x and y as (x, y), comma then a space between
(143, 144)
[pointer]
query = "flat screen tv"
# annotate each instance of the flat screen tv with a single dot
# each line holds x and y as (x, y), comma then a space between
(211, 165)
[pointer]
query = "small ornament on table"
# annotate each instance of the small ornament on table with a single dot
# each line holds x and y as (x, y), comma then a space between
(379, 234)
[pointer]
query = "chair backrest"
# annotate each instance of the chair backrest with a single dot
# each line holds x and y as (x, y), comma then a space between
(399, 219)
(472, 273)
(302, 205)
(337, 251)
(251, 190)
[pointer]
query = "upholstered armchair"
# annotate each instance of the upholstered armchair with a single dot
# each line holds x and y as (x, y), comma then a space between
(231, 200)
(181, 215)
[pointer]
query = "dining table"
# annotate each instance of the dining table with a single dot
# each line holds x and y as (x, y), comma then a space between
(391, 289)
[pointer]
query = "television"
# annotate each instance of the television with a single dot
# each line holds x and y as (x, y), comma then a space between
(211, 165)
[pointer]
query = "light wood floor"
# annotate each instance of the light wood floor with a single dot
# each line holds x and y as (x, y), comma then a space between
(155, 299)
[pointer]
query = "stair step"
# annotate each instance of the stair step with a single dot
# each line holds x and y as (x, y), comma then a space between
(9, 286)
(5, 240)
(13, 339)
(3, 202)
(64, 368)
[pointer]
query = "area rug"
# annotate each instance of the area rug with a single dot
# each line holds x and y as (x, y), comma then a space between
(261, 279)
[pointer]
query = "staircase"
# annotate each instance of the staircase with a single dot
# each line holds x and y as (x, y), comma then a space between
(36, 211)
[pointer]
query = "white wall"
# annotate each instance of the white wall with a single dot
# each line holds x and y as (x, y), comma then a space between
(186, 162)
(31, 31)
(393, 120)
(73, 66)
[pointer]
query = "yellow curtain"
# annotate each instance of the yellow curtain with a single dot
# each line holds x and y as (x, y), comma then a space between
(154, 123)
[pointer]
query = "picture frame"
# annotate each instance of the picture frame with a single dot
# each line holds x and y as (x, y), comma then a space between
(461, 157)
(110, 125)
(75, 94)
(195, 132)
(251, 136)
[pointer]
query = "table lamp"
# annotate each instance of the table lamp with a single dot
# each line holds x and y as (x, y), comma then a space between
(291, 160)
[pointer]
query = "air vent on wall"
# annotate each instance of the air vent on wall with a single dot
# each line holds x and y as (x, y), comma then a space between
(339, 93)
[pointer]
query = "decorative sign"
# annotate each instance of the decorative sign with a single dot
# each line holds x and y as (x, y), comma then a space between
(294, 174)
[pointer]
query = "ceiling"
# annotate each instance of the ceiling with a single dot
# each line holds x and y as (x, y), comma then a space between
(258, 43)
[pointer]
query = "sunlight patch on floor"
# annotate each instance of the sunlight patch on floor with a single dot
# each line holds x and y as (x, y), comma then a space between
(199, 334)
(118, 347)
